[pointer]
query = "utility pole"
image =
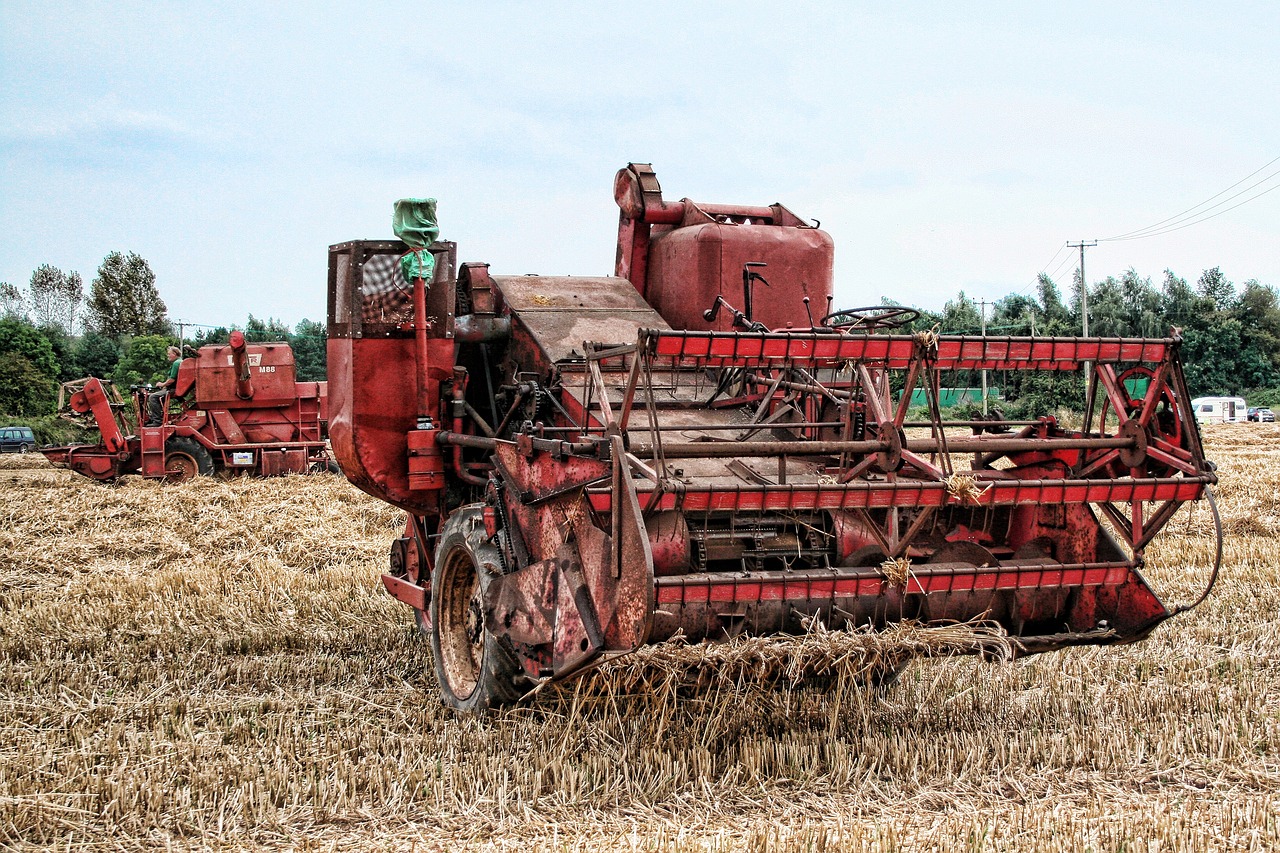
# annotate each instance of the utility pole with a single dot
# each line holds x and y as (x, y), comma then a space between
(1084, 304)
(181, 325)
(984, 370)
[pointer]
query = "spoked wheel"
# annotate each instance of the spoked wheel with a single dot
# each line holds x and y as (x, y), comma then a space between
(1165, 423)
(184, 458)
(476, 670)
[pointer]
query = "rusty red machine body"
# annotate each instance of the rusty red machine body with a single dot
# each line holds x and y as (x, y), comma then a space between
(242, 410)
(699, 445)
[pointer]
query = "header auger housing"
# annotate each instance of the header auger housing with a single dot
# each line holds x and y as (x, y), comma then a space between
(593, 464)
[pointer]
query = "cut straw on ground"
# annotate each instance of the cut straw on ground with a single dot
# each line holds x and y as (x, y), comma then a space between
(216, 666)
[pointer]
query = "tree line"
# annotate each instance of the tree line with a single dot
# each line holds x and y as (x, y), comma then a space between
(51, 332)
(1230, 335)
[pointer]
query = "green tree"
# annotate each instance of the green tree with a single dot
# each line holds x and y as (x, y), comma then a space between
(1015, 314)
(144, 360)
(19, 337)
(1106, 309)
(1213, 285)
(261, 331)
(1057, 317)
(123, 300)
(309, 343)
(96, 355)
(1179, 304)
(1211, 356)
(24, 389)
(1258, 310)
(55, 298)
(13, 305)
(1142, 309)
(960, 316)
(28, 369)
(216, 335)
(63, 346)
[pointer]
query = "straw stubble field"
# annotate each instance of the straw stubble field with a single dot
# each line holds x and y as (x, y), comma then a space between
(215, 665)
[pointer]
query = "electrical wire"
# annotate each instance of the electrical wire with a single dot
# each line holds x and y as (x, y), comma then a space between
(1202, 219)
(1068, 259)
(1165, 225)
(1055, 256)
(1035, 281)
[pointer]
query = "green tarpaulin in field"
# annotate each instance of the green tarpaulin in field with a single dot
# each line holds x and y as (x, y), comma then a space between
(414, 222)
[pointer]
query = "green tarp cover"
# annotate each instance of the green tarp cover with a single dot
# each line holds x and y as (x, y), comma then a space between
(414, 222)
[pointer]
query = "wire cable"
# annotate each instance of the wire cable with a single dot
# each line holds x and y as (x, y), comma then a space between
(1198, 221)
(1139, 232)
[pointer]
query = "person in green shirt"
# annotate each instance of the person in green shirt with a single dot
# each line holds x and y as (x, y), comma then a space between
(159, 398)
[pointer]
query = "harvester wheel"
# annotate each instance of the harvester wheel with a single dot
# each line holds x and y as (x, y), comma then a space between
(475, 669)
(184, 458)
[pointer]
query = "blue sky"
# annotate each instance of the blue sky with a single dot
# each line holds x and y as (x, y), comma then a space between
(945, 146)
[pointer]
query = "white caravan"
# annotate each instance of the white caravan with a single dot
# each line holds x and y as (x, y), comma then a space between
(1219, 410)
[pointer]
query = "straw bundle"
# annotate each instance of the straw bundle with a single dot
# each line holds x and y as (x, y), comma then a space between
(763, 663)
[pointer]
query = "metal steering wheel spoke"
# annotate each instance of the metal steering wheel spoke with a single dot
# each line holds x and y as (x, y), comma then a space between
(870, 318)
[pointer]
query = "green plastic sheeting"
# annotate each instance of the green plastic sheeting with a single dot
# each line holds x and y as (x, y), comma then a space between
(414, 222)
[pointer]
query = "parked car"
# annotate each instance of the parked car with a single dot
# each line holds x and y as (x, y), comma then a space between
(17, 439)
(1261, 414)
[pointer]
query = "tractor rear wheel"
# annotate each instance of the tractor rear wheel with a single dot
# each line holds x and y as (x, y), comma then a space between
(184, 458)
(476, 669)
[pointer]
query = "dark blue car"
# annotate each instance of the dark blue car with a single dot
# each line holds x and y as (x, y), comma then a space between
(17, 439)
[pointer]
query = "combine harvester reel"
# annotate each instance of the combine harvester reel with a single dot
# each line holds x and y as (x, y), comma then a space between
(593, 465)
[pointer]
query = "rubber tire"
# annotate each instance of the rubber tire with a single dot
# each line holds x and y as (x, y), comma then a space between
(465, 564)
(26, 448)
(180, 444)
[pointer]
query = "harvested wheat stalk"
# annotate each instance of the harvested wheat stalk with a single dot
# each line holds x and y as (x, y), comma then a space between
(897, 571)
(786, 660)
(965, 488)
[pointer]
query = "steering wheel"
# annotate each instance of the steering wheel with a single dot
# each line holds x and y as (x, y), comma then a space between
(870, 318)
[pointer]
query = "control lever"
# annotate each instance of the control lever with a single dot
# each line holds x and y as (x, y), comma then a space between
(740, 319)
(749, 275)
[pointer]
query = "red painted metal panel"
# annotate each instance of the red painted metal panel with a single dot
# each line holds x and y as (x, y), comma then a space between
(411, 594)
(694, 589)
(271, 371)
(914, 493)
(747, 349)
(692, 264)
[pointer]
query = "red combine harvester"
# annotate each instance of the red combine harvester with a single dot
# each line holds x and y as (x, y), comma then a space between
(687, 447)
(242, 411)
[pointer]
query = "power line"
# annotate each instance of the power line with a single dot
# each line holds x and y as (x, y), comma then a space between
(1204, 218)
(1139, 233)
(1054, 258)
(1035, 281)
